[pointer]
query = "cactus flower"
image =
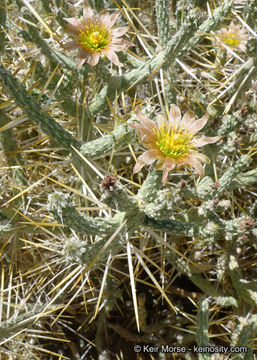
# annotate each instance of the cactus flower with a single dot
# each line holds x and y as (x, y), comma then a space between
(94, 36)
(172, 141)
(234, 37)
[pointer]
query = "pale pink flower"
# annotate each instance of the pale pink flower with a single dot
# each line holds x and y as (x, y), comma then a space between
(172, 141)
(234, 37)
(94, 36)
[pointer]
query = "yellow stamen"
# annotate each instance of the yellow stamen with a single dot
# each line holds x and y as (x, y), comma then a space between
(174, 142)
(95, 37)
(231, 39)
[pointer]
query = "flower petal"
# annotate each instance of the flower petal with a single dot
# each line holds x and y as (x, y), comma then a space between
(143, 129)
(187, 119)
(174, 115)
(196, 164)
(148, 123)
(80, 62)
(112, 56)
(74, 26)
(91, 58)
(139, 165)
(110, 21)
(149, 156)
(103, 17)
(117, 42)
(117, 47)
(198, 124)
(161, 120)
(120, 31)
(71, 45)
(199, 156)
(88, 15)
(84, 53)
(73, 21)
(149, 141)
(204, 140)
(160, 163)
(94, 59)
(168, 165)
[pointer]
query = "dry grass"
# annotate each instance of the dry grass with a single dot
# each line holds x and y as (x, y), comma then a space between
(154, 290)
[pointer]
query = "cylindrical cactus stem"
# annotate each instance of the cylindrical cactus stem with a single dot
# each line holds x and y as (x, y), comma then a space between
(151, 185)
(243, 336)
(171, 226)
(212, 23)
(2, 24)
(65, 213)
(90, 254)
(248, 295)
(229, 123)
(245, 77)
(162, 21)
(14, 160)
(102, 72)
(192, 272)
(6, 229)
(22, 321)
(232, 172)
(117, 198)
(226, 301)
(203, 325)
(34, 111)
(248, 178)
(206, 188)
(94, 254)
(64, 91)
(11, 151)
(120, 136)
(210, 230)
(186, 32)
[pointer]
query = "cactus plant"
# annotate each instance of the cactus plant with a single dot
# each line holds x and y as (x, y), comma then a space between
(97, 258)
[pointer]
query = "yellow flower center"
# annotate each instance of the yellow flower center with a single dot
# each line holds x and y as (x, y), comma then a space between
(173, 143)
(95, 37)
(231, 39)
